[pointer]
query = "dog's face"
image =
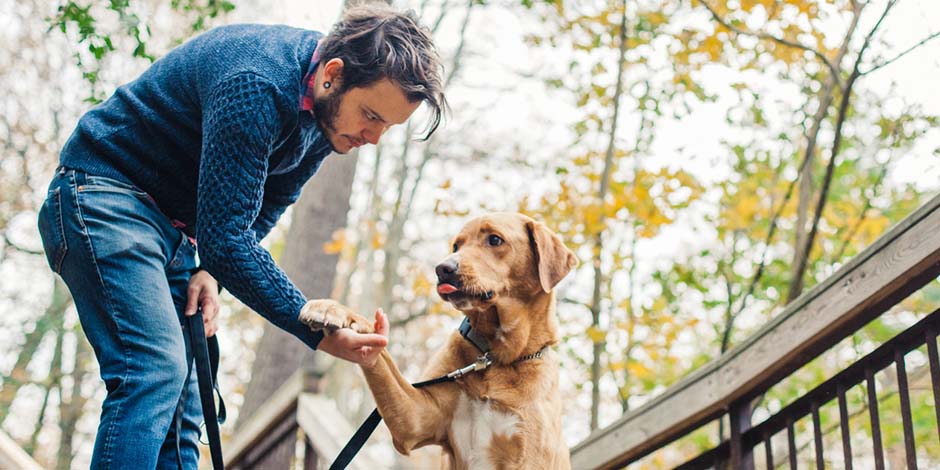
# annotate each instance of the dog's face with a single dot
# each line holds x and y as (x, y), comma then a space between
(502, 257)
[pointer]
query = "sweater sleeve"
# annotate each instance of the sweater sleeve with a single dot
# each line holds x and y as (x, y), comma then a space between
(271, 211)
(241, 123)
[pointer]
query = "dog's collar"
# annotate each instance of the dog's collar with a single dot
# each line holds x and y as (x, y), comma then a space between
(476, 339)
(535, 355)
(482, 345)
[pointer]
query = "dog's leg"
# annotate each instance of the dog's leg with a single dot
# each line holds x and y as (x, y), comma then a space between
(415, 417)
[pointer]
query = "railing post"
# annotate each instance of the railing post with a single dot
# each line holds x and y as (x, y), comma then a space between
(311, 459)
(742, 457)
(312, 382)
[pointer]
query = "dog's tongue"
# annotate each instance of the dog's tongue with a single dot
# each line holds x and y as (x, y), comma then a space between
(446, 289)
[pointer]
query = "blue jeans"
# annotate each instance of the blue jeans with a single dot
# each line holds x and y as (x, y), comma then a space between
(128, 270)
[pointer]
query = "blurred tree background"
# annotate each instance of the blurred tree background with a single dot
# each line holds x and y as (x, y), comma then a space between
(707, 160)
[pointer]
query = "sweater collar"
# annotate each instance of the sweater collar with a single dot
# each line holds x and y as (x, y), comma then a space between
(308, 85)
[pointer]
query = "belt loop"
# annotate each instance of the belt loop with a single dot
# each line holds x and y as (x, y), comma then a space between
(79, 178)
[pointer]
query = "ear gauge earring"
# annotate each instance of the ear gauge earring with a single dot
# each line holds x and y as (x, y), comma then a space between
(327, 84)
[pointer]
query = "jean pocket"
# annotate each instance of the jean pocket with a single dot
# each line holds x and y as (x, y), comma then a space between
(101, 183)
(52, 230)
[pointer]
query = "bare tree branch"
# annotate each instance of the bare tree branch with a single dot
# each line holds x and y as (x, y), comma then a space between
(902, 54)
(796, 283)
(863, 216)
(762, 35)
(569, 300)
(825, 101)
(598, 346)
(868, 203)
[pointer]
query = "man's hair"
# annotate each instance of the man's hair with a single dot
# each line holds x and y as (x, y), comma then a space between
(377, 42)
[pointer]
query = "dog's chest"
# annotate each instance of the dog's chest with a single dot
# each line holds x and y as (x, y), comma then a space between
(479, 429)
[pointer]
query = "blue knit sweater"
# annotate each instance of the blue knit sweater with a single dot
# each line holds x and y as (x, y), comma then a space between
(215, 134)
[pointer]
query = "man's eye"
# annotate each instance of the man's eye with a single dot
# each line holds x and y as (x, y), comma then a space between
(494, 240)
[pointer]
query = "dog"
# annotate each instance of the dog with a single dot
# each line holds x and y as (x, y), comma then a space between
(501, 275)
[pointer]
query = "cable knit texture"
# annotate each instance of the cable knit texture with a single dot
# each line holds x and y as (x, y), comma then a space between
(214, 133)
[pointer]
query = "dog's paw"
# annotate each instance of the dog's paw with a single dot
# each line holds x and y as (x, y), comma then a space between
(329, 315)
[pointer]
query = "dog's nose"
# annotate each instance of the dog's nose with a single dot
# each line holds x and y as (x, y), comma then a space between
(447, 269)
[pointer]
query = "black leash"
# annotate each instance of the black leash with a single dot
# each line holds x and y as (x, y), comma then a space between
(368, 427)
(205, 351)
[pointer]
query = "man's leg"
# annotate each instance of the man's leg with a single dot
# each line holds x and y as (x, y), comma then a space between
(114, 250)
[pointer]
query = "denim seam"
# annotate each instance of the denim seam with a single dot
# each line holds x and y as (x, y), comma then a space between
(109, 435)
(177, 251)
(113, 189)
(63, 247)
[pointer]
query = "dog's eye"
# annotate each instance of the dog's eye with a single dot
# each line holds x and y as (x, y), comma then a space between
(455, 247)
(494, 240)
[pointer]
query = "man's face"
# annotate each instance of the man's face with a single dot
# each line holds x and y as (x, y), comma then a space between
(354, 117)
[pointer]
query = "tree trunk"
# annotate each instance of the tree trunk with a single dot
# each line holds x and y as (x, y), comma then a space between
(52, 317)
(70, 411)
(321, 210)
(411, 177)
(598, 349)
(803, 241)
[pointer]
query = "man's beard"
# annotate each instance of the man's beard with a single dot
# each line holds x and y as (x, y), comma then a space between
(326, 108)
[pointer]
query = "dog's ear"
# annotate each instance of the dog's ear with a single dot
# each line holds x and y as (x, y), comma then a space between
(554, 259)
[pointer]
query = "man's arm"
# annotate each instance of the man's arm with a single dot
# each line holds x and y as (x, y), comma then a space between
(241, 122)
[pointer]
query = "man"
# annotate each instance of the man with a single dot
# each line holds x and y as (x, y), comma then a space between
(211, 144)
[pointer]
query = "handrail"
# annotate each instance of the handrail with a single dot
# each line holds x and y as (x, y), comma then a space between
(897, 264)
(12, 456)
(292, 406)
(328, 431)
(273, 411)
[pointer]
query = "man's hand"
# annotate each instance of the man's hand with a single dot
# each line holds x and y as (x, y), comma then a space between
(361, 348)
(203, 292)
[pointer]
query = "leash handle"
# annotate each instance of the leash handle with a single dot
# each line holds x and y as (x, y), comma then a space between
(197, 337)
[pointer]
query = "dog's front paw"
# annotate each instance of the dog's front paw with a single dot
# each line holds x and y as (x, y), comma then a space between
(330, 315)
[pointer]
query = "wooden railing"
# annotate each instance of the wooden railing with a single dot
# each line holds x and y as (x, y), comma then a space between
(296, 414)
(12, 456)
(898, 264)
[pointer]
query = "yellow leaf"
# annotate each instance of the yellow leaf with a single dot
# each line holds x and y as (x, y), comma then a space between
(638, 370)
(377, 240)
(335, 245)
(596, 334)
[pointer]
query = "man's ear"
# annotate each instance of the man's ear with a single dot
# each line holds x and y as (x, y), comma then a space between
(333, 71)
(553, 258)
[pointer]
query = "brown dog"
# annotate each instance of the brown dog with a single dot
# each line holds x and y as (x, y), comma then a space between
(507, 416)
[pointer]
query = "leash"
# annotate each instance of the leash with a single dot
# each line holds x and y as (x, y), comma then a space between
(205, 352)
(368, 426)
